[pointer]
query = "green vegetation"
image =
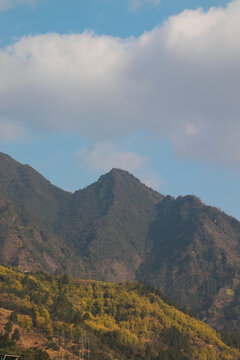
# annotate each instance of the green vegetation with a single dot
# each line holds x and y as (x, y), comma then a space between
(232, 340)
(128, 321)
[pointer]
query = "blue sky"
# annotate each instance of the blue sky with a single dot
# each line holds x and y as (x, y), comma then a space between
(145, 85)
(112, 17)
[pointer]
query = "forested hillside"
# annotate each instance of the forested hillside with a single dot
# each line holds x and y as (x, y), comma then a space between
(99, 320)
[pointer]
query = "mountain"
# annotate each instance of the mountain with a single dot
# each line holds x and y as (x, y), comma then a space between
(58, 317)
(30, 191)
(107, 224)
(194, 258)
(117, 230)
(29, 244)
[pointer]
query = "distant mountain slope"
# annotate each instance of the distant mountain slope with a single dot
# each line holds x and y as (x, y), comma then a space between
(194, 256)
(26, 243)
(118, 229)
(87, 319)
(108, 224)
(30, 190)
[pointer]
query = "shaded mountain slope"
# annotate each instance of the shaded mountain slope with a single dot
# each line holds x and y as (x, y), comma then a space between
(108, 222)
(194, 256)
(26, 243)
(30, 190)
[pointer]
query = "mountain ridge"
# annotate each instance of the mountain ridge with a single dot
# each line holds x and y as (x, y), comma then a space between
(21, 184)
(117, 229)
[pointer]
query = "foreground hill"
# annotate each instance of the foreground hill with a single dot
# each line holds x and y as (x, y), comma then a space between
(98, 320)
(117, 229)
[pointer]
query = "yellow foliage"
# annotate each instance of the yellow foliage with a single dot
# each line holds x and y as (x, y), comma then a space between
(24, 321)
(126, 314)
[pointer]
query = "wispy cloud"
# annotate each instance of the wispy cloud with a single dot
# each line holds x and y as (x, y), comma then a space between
(10, 132)
(153, 180)
(105, 156)
(136, 4)
(9, 4)
(181, 81)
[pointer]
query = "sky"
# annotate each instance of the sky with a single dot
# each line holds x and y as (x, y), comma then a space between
(148, 86)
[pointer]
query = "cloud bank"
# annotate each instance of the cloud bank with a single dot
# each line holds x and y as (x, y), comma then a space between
(181, 80)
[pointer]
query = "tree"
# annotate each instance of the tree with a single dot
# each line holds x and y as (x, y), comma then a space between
(13, 317)
(16, 335)
(8, 327)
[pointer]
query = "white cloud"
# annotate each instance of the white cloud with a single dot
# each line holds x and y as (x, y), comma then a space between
(181, 80)
(136, 4)
(153, 180)
(106, 156)
(9, 4)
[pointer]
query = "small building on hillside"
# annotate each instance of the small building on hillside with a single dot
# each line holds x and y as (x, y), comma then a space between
(9, 357)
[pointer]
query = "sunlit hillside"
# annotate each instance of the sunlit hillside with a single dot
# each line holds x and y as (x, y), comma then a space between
(95, 320)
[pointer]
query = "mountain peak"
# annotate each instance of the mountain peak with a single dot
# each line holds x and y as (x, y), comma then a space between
(190, 199)
(120, 173)
(7, 160)
(29, 189)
